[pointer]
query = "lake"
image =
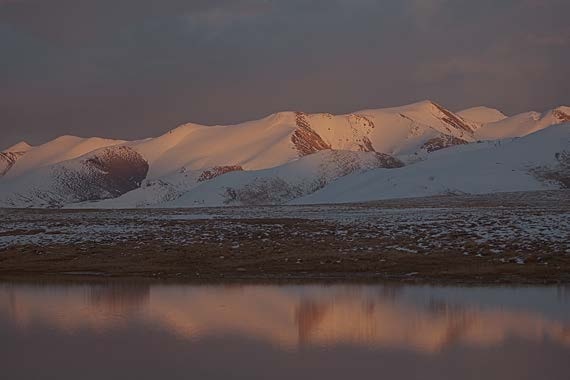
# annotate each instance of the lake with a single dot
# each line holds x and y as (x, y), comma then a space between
(150, 330)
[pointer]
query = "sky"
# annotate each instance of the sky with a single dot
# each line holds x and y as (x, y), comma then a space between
(136, 68)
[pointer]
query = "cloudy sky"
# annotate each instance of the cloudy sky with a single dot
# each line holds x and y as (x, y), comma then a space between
(136, 68)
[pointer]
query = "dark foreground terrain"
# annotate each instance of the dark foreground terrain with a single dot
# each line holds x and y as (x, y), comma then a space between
(505, 238)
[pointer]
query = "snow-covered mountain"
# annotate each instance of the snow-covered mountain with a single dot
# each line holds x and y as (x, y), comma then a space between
(275, 185)
(278, 159)
(482, 115)
(539, 161)
(9, 156)
(523, 124)
(106, 173)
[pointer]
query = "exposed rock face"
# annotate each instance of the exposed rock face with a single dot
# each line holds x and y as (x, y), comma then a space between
(452, 127)
(217, 171)
(278, 190)
(264, 191)
(367, 121)
(559, 173)
(452, 119)
(118, 169)
(7, 160)
(344, 163)
(388, 162)
(361, 126)
(366, 145)
(305, 139)
(561, 116)
(107, 174)
(563, 175)
(442, 142)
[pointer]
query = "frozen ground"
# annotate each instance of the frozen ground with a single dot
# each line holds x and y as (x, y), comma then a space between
(520, 220)
(506, 228)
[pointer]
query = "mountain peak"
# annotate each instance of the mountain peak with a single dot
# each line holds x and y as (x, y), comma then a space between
(422, 105)
(562, 113)
(70, 168)
(22, 146)
(482, 114)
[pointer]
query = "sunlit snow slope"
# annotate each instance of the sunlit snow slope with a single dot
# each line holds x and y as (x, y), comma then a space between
(536, 162)
(280, 158)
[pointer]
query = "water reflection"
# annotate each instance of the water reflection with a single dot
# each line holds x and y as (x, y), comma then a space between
(119, 297)
(137, 331)
(426, 320)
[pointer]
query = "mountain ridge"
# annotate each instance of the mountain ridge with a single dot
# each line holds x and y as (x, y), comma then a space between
(191, 154)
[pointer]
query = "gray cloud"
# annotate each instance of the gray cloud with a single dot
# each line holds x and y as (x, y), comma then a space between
(134, 68)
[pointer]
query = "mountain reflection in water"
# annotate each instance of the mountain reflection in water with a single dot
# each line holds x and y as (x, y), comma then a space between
(290, 317)
(136, 330)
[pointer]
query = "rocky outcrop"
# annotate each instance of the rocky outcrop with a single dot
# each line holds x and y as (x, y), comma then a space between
(453, 128)
(341, 163)
(453, 120)
(279, 189)
(559, 173)
(106, 174)
(388, 162)
(217, 171)
(365, 121)
(560, 116)
(7, 160)
(308, 141)
(305, 139)
(563, 173)
(263, 191)
(441, 142)
(365, 145)
(117, 170)
(361, 126)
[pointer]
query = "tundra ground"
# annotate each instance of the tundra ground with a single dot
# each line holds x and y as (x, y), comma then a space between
(500, 238)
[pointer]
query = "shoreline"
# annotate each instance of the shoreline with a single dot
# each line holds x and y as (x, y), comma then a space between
(284, 267)
(314, 279)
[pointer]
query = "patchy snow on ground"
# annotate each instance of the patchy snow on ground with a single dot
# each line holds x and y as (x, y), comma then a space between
(515, 222)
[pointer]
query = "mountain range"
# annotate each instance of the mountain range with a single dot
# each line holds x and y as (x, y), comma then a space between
(415, 150)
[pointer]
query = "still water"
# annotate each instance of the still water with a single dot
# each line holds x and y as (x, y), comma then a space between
(133, 330)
